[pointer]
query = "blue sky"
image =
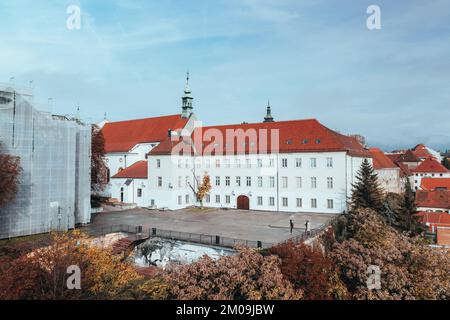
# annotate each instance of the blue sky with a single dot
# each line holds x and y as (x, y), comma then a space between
(312, 58)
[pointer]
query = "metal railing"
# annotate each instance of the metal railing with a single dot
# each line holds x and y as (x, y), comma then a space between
(207, 239)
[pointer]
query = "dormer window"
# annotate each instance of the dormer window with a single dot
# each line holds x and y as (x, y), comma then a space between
(318, 141)
(305, 141)
(288, 141)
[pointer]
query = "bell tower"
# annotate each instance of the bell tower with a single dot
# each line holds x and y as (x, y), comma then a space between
(268, 117)
(186, 99)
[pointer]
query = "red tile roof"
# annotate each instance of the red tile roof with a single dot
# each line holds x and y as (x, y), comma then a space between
(434, 219)
(430, 165)
(435, 183)
(433, 199)
(294, 136)
(380, 160)
(408, 156)
(443, 236)
(137, 170)
(421, 151)
(121, 136)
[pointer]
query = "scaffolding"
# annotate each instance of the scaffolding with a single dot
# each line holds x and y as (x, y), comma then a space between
(54, 152)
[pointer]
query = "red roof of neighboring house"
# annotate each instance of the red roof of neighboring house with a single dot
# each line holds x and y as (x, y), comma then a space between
(435, 183)
(393, 156)
(421, 151)
(430, 165)
(408, 156)
(137, 170)
(121, 136)
(433, 199)
(294, 136)
(436, 219)
(442, 218)
(443, 236)
(380, 160)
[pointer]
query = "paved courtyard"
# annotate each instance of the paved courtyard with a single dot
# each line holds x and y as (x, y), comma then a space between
(271, 227)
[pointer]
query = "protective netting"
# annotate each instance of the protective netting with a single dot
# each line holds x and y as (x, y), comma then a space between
(54, 193)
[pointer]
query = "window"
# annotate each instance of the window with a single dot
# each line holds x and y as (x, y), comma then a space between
(238, 181)
(248, 163)
(208, 198)
(158, 163)
(217, 163)
(139, 192)
(227, 163)
(187, 199)
(299, 182)
(284, 163)
(313, 182)
(227, 181)
(299, 202)
(272, 182)
(159, 181)
(298, 162)
(227, 199)
(271, 163)
(217, 198)
(313, 203)
(186, 181)
(180, 184)
(329, 162)
(217, 181)
(198, 163)
(249, 181)
(260, 201)
(284, 202)
(180, 199)
(271, 201)
(330, 183)
(237, 163)
(284, 182)
(330, 203)
(313, 162)
(179, 163)
(260, 163)
(186, 165)
(260, 182)
(207, 163)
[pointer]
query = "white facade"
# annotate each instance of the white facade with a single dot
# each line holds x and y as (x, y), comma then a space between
(389, 179)
(129, 190)
(419, 176)
(292, 182)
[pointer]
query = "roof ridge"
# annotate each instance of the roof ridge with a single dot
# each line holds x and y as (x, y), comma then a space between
(162, 116)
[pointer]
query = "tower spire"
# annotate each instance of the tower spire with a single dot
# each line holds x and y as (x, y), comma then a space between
(186, 99)
(268, 117)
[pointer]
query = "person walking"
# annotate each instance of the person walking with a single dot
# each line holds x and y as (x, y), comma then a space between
(307, 226)
(291, 223)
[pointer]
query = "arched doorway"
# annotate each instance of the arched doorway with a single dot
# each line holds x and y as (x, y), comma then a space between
(243, 203)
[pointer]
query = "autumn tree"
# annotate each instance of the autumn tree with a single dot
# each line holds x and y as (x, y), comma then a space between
(246, 275)
(310, 271)
(203, 188)
(42, 274)
(10, 171)
(410, 269)
(99, 170)
(366, 191)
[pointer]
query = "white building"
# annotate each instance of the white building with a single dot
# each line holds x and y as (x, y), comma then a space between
(306, 167)
(429, 168)
(293, 166)
(389, 175)
(128, 142)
